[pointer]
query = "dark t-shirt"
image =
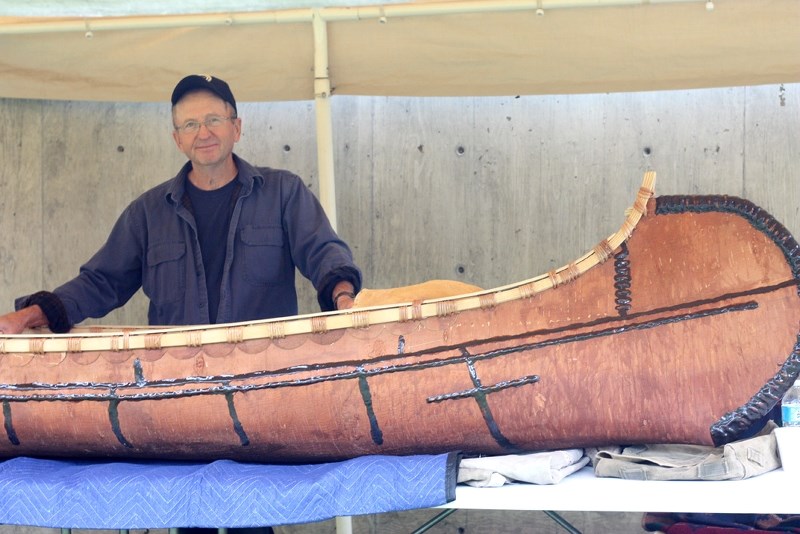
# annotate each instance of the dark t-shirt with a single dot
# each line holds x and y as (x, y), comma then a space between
(212, 213)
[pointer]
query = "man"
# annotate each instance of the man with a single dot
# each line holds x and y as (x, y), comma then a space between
(217, 243)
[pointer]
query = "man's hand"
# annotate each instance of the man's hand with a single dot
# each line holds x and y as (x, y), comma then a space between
(16, 322)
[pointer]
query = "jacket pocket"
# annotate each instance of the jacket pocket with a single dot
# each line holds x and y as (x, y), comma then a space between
(165, 278)
(265, 260)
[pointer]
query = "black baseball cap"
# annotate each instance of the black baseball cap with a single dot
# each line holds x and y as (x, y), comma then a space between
(194, 82)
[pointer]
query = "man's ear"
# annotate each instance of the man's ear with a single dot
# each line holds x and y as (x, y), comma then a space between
(237, 123)
(176, 137)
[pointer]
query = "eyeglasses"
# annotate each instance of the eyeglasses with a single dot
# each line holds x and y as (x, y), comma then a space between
(212, 122)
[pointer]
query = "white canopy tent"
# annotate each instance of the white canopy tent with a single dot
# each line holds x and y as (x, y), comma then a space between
(423, 48)
(470, 47)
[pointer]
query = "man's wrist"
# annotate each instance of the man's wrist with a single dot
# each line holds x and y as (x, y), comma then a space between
(48, 310)
(341, 294)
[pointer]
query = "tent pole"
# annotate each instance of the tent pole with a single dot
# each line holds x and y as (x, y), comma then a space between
(344, 525)
(322, 105)
(30, 25)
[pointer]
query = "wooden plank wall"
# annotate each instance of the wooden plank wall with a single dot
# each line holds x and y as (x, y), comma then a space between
(485, 190)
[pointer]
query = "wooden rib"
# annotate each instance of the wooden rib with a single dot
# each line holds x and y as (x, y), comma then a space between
(108, 338)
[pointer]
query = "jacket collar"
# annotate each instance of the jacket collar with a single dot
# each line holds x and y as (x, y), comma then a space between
(248, 175)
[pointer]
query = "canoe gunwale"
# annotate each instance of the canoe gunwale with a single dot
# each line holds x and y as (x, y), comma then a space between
(115, 339)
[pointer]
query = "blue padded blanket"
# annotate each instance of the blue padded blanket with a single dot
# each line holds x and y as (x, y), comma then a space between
(147, 494)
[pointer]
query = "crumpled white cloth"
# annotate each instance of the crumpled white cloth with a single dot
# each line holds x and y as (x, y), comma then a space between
(548, 467)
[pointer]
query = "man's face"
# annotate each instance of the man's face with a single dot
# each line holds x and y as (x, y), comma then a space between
(212, 144)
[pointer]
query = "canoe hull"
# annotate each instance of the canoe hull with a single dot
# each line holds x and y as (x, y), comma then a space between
(688, 334)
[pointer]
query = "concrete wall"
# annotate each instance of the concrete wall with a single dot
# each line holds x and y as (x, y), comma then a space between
(484, 190)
